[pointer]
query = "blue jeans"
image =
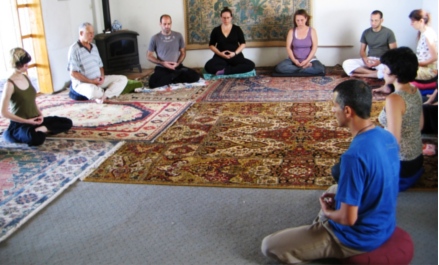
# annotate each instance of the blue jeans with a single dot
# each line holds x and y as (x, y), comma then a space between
(25, 133)
(288, 67)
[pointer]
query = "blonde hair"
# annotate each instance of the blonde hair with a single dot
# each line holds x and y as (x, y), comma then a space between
(19, 57)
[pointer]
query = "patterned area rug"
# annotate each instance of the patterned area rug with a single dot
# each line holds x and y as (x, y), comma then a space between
(31, 177)
(133, 120)
(175, 95)
(179, 92)
(265, 88)
(262, 145)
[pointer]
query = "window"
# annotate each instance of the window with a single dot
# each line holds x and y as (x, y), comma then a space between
(24, 28)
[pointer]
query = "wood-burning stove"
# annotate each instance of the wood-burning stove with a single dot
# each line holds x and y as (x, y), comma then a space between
(118, 49)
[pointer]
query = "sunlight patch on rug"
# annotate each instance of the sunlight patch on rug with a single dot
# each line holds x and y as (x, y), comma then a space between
(31, 177)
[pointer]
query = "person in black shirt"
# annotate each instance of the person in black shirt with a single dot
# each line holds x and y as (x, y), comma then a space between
(227, 42)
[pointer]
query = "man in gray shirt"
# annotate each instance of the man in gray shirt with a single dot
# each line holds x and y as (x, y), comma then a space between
(170, 52)
(379, 39)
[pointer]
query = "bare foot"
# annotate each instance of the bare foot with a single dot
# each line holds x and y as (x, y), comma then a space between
(42, 129)
(383, 90)
(101, 100)
(220, 72)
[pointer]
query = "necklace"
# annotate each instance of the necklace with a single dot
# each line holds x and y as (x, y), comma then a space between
(364, 128)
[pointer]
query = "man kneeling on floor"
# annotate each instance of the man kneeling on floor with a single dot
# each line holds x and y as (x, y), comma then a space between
(359, 214)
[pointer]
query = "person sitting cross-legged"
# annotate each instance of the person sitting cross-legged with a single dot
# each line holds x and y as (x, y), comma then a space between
(170, 52)
(377, 39)
(27, 123)
(359, 214)
(87, 70)
(227, 42)
(301, 46)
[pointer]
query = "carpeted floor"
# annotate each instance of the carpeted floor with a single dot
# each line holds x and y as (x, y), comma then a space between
(265, 88)
(261, 88)
(122, 120)
(263, 145)
(31, 177)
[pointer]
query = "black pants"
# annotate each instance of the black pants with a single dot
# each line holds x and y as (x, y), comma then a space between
(25, 133)
(163, 76)
(236, 65)
(430, 119)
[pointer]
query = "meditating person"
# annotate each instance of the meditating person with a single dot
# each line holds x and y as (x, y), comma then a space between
(227, 42)
(27, 123)
(426, 50)
(301, 48)
(170, 52)
(359, 214)
(87, 71)
(402, 114)
(378, 39)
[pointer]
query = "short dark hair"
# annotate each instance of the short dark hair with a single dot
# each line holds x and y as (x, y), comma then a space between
(402, 63)
(355, 94)
(226, 9)
(164, 15)
(375, 12)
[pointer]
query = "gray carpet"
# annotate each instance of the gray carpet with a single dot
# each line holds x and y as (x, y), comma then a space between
(95, 223)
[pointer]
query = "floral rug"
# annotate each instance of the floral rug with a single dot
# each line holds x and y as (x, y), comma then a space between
(32, 177)
(129, 120)
(265, 88)
(258, 145)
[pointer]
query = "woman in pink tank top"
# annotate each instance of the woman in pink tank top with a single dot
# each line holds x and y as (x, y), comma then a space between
(301, 46)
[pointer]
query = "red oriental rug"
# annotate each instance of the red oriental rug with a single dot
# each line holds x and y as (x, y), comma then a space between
(129, 120)
(265, 88)
(255, 145)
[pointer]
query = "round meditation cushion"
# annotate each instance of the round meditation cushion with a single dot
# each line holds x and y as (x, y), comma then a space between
(424, 85)
(397, 250)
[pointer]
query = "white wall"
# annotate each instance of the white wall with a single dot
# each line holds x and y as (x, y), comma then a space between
(431, 6)
(338, 22)
(61, 22)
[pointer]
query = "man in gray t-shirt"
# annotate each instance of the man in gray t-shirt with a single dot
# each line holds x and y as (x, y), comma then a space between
(378, 39)
(167, 50)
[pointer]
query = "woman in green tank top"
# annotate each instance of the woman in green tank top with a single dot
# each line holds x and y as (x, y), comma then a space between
(27, 124)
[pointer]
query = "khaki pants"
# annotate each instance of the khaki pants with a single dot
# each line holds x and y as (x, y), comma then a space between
(113, 84)
(427, 72)
(306, 243)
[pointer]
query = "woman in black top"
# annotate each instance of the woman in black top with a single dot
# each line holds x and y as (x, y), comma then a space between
(227, 42)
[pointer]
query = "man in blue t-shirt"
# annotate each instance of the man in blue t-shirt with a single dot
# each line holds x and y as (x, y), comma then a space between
(169, 49)
(358, 215)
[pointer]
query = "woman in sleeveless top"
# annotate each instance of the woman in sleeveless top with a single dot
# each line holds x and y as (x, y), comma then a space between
(426, 50)
(27, 124)
(301, 47)
(227, 42)
(427, 41)
(402, 115)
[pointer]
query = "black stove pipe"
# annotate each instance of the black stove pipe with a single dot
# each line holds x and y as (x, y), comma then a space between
(107, 18)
